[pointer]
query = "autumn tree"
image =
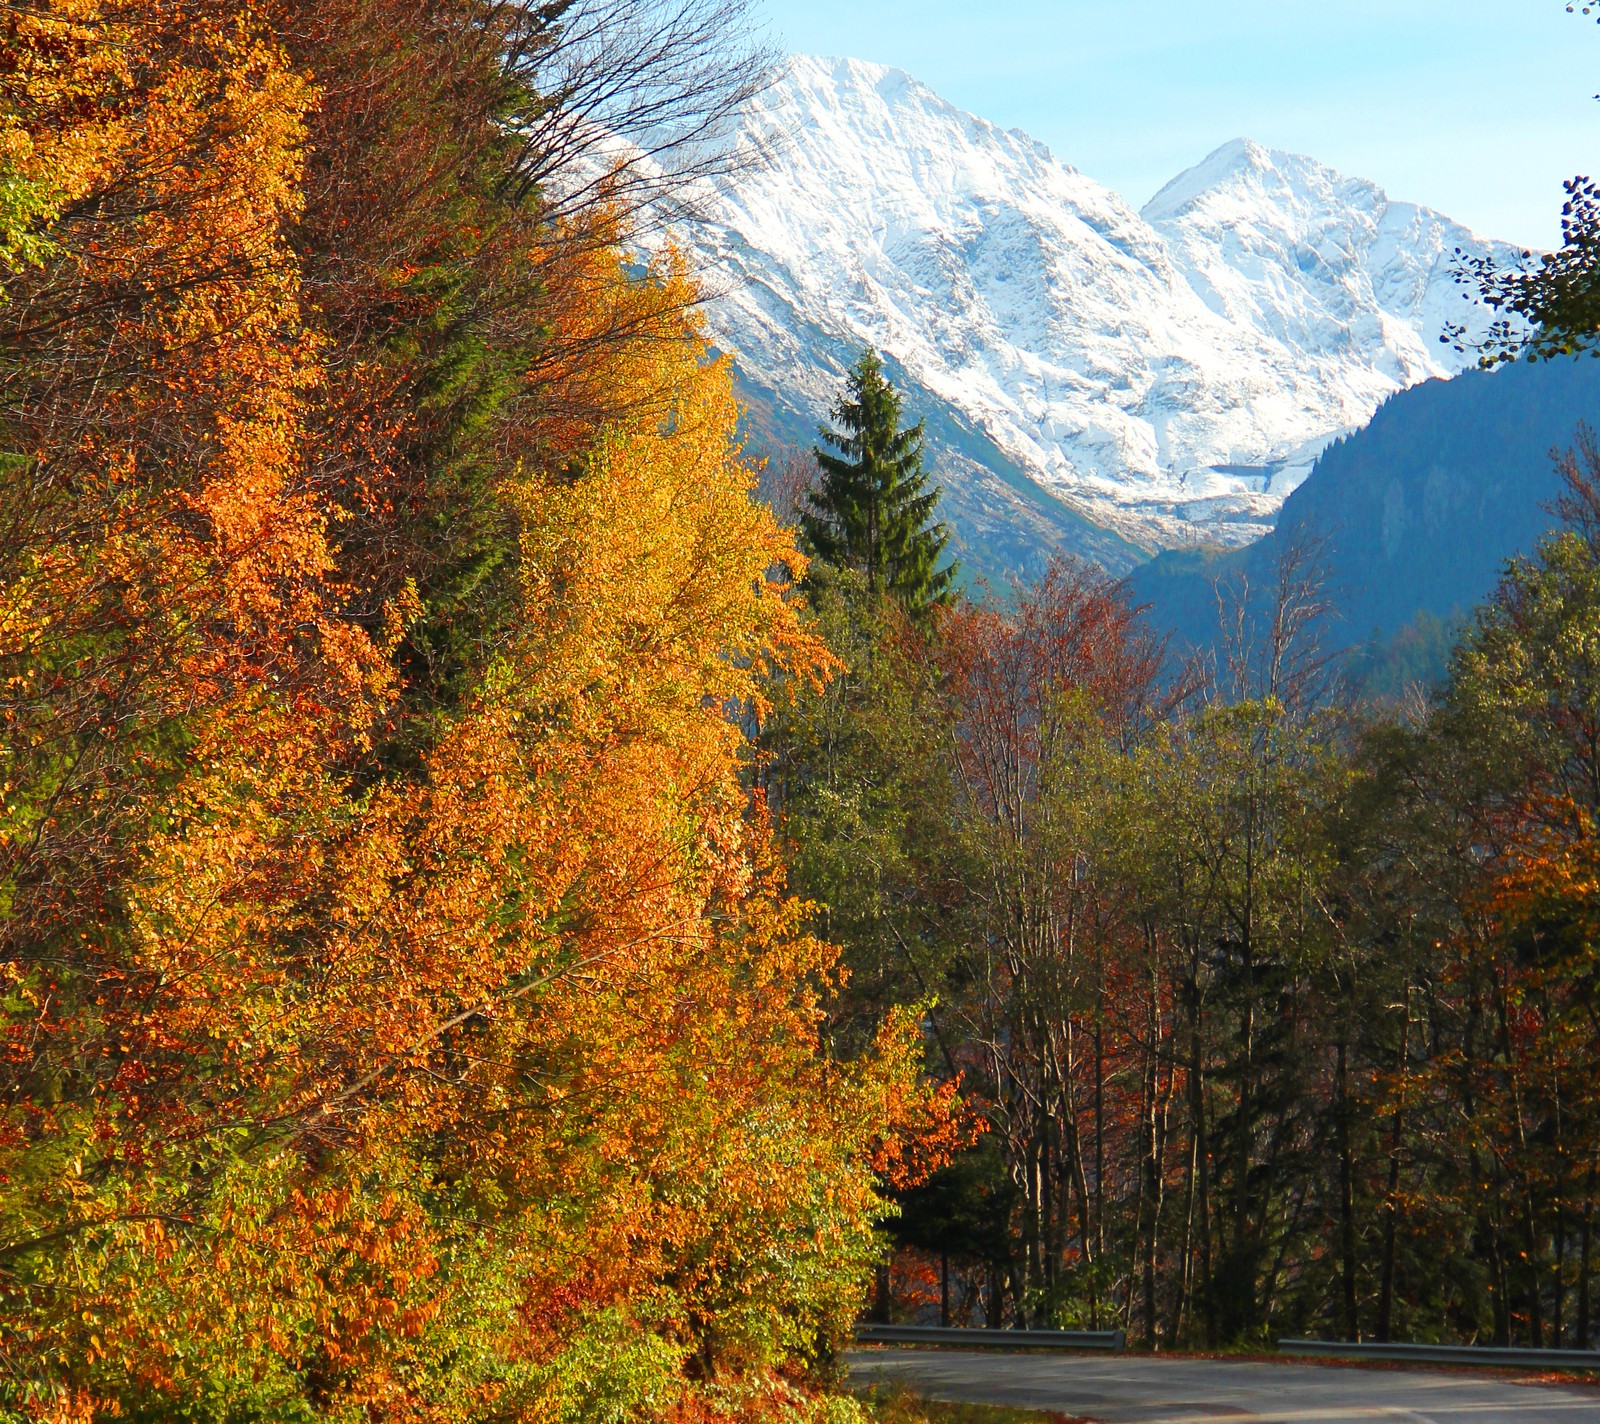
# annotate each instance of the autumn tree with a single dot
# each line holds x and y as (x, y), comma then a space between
(1518, 728)
(405, 1015)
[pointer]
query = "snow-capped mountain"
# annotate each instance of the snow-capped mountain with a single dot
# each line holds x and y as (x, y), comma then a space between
(1328, 266)
(1169, 374)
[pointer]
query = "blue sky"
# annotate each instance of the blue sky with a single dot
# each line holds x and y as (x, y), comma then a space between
(1477, 107)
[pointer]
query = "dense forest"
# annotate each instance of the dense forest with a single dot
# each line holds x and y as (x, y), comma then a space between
(1281, 1007)
(404, 1013)
(1271, 972)
(515, 911)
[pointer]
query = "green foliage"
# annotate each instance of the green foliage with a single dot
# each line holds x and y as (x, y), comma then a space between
(1231, 982)
(873, 511)
(1527, 676)
(1415, 660)
(852, 770)
(1552, 306)
(29, 201)
(965, 1209)
(614, 1374)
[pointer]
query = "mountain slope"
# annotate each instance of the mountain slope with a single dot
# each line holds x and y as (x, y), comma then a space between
(1417, 513)
(1170, 375)
(1360, 286)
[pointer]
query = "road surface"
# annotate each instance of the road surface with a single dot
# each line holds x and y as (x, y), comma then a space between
(1133, 1389)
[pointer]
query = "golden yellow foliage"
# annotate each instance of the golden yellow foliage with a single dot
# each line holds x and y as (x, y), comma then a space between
(375, 1052)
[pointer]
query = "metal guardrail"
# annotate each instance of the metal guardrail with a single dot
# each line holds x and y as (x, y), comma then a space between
(1446, 1354)
(969, 1339)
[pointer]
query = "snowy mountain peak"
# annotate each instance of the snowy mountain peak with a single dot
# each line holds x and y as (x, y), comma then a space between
(1326, 264)
(808, 83)
(1238, 160)
(1169, 373)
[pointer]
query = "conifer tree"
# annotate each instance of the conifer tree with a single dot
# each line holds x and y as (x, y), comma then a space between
(873, 511)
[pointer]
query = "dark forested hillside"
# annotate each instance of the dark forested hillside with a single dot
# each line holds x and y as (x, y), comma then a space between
(1416, 514)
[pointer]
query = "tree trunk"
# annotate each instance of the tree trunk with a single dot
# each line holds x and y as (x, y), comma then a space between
(1391, 1206)
(1347, 1209)
(1559, 1242)
(1141, 1222)
(1048, 1256)
(944, 1289)
(1583, 1263)
(1203, 1204)
(1148, 1214)
(1032, 1243)
(1019, 1297)
(1535, 1294)
(1158, 1206)
(1180, 1302)
(1241, 1264)
(1502, 1291)
(1557, 1315)
(1099, 1143)
(1080, 1184)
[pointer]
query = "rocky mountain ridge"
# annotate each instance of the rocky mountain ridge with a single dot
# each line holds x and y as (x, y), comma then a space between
(1098, 377)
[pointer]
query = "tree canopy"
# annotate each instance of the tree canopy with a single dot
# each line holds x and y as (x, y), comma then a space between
(873, 508)
(404, 1013)
(1278, 1008)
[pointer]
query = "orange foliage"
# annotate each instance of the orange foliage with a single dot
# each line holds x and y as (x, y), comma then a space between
(384, 1041)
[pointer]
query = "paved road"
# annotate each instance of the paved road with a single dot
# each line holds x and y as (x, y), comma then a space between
(1138, 1390)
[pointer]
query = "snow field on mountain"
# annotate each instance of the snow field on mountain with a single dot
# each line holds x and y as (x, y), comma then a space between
(1171, 373)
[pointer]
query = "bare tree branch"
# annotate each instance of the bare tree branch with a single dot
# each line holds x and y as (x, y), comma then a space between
(1272, 644)
(634, 100)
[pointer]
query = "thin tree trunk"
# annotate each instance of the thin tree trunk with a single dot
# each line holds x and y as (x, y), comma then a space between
(1163, 1127)
(1530, 1219)
(1347, 1210)
(1530, 1224)
(1047, 1208)
(1033, 1274)
(1243, 1307)
(1391, 1206)
(1080, 1183)
(1140, 1195)
(1099, 1136)
(1557, 1315)
(1585, 1242)
(1502, 1292)
(1148, 1212)
(1180, 1303)
(1203, 1203)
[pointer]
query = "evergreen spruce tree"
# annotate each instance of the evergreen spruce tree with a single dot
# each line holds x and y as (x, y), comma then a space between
(873, 510)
